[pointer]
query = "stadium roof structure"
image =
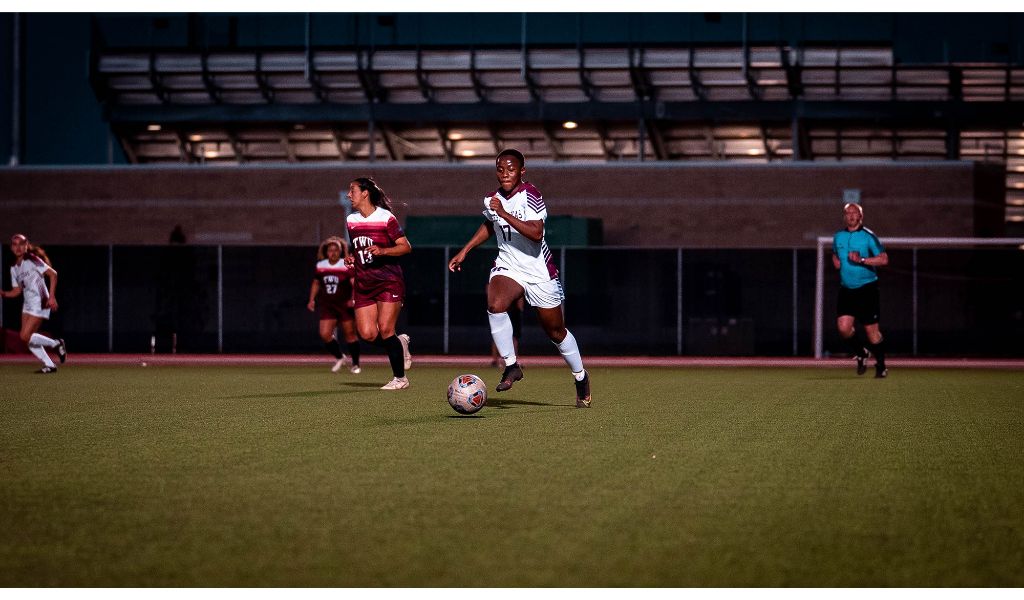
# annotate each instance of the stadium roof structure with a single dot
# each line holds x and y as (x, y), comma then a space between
(591, 104)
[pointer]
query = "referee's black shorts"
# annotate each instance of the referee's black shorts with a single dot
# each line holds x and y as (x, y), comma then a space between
(860, 303)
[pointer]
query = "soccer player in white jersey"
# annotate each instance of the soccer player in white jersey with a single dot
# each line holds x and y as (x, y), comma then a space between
(515, 213)
(33, 278)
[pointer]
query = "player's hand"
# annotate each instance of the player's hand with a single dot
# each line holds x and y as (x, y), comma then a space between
(311, 306)
(374, 250)
(350, 260)
(51, 303)
(853, 256)
(495, 205)
(455, 264)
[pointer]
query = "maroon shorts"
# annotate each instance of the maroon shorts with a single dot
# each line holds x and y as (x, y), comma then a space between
(385, 291)
(334, 312)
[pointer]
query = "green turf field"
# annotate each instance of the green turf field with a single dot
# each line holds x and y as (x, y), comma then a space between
(293, 476)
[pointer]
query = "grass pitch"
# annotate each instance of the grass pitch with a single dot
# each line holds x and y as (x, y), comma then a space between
(260, 476)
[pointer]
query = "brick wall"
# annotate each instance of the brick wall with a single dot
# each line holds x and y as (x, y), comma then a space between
(660, 204)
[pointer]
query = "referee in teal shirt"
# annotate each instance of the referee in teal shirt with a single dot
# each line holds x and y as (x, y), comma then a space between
(857, 253)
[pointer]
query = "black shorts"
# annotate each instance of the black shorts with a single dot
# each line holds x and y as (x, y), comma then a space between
(860, 303)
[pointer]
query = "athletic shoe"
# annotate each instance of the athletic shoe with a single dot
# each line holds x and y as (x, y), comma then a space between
(62, 350)
(398, 383)
(861, 367)
(355, 369)
(512, 374)
(339, 364)
(406, 357)
(47, 370)
(881, 373)
(583, 391)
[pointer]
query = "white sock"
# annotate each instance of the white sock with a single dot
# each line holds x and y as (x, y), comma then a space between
(501, 332)
(571, 353)
(40, 352)
(42, 340)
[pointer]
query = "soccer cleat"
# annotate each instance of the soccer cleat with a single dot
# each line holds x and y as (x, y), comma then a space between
(512, 374)
(62, 350)
(339, 364)
(861, 367)
(355, 369)
(47, 370)
(583, 392)
(406, 356)
(398, 383)
(881, 373)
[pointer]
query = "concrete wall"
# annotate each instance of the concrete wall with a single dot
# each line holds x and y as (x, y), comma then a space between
(655, 204)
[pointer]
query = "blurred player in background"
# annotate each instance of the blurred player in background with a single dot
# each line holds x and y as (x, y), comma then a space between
(857, 253)
(33, 278)
(377, 242)
(516, 212)
(332, 292)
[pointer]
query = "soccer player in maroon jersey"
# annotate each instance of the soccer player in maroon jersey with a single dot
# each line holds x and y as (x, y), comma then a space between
(377, 242)
(515, 213)
(332, 291)
(33, 278)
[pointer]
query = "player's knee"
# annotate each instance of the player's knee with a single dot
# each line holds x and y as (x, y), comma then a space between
(26, 336)
(326, 336)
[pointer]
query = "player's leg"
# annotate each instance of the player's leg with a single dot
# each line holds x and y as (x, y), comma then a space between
(547, 298)
(347, 328)
(37, 343)
(327, 328)
(366, 323)
(502, 291)
(387, 319)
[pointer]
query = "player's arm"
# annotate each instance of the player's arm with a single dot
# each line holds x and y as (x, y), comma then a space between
(13, 293)
(401, 247)
(485, 231)
(313, 291)
(835, 261)
(532, 230)
(51, 279)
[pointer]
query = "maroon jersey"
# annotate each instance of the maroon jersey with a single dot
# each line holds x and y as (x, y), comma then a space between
(335, 284)
(375, 273)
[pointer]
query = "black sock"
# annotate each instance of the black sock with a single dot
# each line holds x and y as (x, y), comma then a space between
(854, 344)
(353, 351)
(395, 355)
(333, 347)
(879, 351)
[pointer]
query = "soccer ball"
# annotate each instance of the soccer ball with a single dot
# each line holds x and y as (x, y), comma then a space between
(467, 394)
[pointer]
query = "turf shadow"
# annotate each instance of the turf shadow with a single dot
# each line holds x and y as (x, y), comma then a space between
(505, 403)
(303, 394)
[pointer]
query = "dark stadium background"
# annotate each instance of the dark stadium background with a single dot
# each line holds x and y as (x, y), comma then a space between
(951, 108)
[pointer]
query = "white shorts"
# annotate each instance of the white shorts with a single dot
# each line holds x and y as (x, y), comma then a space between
(34, 306)
(546, 294)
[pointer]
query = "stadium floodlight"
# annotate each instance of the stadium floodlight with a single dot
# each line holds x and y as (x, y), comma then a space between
(891, 242)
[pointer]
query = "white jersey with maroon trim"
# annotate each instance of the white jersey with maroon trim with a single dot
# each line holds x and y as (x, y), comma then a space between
(28, 275)
(531, 260)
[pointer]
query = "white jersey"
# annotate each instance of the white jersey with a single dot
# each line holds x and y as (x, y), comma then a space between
(531, 260)
(28, 275)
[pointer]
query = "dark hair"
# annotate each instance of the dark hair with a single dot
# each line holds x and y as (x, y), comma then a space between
(377, 195)
(321, 251)
(512, 152)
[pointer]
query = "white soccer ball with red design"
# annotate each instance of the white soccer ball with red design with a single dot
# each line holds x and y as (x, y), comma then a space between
(467, 394)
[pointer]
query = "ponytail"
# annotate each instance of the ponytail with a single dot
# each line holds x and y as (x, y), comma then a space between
(377, 195)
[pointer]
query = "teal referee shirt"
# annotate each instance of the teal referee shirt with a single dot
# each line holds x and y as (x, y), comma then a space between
(863, 240)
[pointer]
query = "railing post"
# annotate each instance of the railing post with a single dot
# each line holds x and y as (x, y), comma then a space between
(110, 298)
(447, 297)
